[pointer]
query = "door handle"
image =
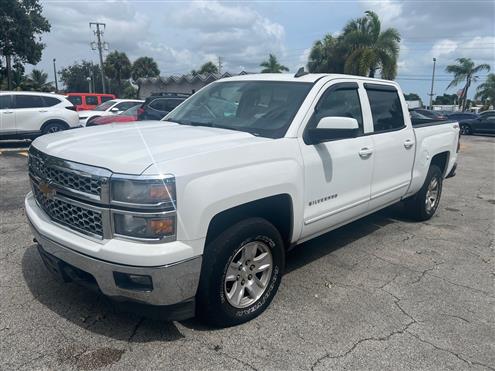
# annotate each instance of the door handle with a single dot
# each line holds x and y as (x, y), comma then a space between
(7, 112)
(43, 110)
(365, 152)
(408, 143)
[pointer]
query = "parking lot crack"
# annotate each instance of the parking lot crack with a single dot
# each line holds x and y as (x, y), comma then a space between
(135, 329)
(457, 355)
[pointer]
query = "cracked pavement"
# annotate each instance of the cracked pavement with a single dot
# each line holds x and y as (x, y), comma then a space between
(381, 293)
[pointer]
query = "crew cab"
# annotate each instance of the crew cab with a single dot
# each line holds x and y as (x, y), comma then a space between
(194, 214)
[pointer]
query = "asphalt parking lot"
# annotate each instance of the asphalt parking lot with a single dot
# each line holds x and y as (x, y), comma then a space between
(381, 293)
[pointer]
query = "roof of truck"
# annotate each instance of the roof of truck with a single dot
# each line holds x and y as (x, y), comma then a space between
(309, 77)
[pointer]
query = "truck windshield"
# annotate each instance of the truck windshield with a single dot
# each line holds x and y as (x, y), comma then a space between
(264, 108)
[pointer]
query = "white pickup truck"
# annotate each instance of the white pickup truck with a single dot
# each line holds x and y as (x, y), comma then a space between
(194, 214)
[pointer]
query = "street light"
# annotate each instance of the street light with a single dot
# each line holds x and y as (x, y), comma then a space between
(55, 74)
(432, 82)
(88, 79)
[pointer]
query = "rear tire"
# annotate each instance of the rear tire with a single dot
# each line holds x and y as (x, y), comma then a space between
(53, 127)
(422, 205)
(241, 273)
(466, 129)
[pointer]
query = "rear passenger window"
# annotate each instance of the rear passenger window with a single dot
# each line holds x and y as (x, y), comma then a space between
(51, 101)
(5, 101)
(28, 101)
(386, 109)
(92, 101)
(339, 103)
(76, 100)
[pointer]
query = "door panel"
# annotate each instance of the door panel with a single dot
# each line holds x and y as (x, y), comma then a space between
(7, 115)
(337, 173)
(29, 112)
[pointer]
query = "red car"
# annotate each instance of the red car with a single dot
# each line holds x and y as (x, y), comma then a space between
(126, 116)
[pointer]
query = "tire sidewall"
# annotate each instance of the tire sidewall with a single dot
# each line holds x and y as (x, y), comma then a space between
(223, 250)
(433, 172)
(46, 129)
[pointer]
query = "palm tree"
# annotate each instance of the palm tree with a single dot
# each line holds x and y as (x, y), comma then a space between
(37, 80)
(465, 70)
(118, 67)
(486, 91)
(143, 67)
(370, 48)
(327, 56)
(272, 66)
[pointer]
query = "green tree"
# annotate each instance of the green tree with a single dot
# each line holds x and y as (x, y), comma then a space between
(413, 96)
(143, 67)
(327, 56)
(465, 71)
(38, 81)
(21, 24)
(370, 48)
(446, 99)
(205, 69)
(75, 77)
(486, 90)
(118, 67)
(271, 65)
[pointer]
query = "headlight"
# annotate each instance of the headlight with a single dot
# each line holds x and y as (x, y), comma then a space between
(144, 227)
(148, 191)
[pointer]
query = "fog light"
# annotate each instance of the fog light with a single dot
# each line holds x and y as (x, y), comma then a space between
(136, 282)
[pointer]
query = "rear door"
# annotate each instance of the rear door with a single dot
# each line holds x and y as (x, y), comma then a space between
(337, 174)
(7, 115)
(30, 112)
(393, 144)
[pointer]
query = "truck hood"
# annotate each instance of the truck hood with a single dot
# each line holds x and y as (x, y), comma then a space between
(132, 148)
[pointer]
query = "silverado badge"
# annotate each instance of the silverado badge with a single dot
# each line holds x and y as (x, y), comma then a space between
(48, 191)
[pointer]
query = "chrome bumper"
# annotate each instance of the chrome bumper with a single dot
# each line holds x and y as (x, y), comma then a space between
(171, 284)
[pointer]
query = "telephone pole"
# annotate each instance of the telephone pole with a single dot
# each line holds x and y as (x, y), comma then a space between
(55, 74)
(99, 45)
(432, 82)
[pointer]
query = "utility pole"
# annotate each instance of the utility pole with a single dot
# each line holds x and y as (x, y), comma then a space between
(220, 65)
(432, 82)
(55, 74)
(99, 45)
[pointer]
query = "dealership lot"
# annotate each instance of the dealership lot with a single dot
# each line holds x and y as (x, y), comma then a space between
(380, 293)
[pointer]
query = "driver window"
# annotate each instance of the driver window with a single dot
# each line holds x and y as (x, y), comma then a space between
(339, 103)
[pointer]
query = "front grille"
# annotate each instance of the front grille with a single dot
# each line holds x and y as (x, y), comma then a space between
(76, 217)
(45, 168)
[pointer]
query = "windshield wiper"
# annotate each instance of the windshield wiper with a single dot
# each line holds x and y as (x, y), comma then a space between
(212, 125)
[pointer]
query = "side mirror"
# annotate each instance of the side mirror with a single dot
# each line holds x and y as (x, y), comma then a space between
(114, 110)
(331, 128)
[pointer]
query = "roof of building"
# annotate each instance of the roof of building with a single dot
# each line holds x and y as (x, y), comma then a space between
(190, 78)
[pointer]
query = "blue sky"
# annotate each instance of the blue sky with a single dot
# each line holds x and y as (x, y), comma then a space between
(181, 35)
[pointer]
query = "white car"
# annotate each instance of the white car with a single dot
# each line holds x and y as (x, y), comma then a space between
(195, 213)
(30, 114)
(108, 108)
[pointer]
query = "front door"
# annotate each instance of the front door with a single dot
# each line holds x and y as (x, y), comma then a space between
(337, 173)
(7, 115)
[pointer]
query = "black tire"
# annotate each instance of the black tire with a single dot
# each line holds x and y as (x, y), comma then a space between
(416, 205)
(213, 305)
(54, 127)
(466, 129)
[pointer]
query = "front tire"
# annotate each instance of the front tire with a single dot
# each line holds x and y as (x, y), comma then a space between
(422, 205)
(53, 127)
(241, 273)
(466, 129)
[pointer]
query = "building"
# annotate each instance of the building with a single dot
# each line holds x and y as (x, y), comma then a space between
(179, 84)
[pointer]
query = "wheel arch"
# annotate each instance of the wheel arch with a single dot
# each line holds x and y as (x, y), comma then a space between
(54, 121)
(442, 161)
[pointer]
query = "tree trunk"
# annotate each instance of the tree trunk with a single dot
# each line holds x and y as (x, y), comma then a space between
(8, 62)
(464, 100)
(372, 72)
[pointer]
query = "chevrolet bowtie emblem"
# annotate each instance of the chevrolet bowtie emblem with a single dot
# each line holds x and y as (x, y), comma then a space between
(48, 191)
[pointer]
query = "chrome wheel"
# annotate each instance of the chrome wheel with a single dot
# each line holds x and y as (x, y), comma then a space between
(248, 274)
(432, 195)
(54, 129)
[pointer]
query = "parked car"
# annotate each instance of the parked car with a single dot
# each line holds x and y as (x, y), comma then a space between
(88, 101)
(419, 119)
(195, 214)
(462, 116)
(28, 114)
(431, 114)
(126, 116)
(158, 105)
(109, 108)
(484, 124)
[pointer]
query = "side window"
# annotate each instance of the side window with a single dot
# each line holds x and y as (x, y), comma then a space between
(170, 104)
(343, 102)
(28, 101)
(386, 109)
(125, 105)
(159, 104)
(5, 101)
(51, 101)
(91, 100)
(76, 100)
(105, 98)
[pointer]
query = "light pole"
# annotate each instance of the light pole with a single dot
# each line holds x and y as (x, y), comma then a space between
(55, 74)
(88, 79)
(432, 82)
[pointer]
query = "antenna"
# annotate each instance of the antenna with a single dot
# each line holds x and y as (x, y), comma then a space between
(300, 72)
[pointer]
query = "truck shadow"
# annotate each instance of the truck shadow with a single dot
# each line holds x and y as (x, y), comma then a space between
(96, 313)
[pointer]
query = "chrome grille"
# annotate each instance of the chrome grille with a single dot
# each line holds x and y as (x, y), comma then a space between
(76, 217)
(58, 172)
